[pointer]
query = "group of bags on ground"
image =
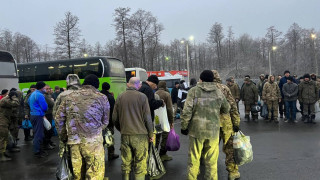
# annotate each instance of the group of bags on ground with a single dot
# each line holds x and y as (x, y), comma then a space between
(242, 149)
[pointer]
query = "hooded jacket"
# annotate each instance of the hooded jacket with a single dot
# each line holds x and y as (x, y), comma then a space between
(308, 92)
(249, 93)
(202, 109)
(163, 94)
(271, 91)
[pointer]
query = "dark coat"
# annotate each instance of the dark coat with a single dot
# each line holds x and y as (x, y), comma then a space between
(153, 103)
(112, 101)
(283, 80)
(290, 91)
(308, 92)
(174, 95)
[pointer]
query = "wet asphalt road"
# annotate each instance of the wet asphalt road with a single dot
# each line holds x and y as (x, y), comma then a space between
(281, 152)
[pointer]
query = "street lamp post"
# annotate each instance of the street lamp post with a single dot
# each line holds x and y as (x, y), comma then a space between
(313, 37)
(273, 49)
(191, 38)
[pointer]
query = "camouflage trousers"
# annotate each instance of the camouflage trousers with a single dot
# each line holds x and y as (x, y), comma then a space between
(88, 161)
(309, 108)
(209, 148)
(273, 106)
(228, 150)
(163, 138)
(134, 150)
(4, 132)
(247, 110)
(14, 127)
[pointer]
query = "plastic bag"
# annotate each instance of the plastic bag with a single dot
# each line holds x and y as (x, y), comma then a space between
(64, 169)
(55, 133)
(155, 167)
(242, 148)
(26, 124)
(108, 137)
(264, 111)
(161, 117)
(173, 141)
(46, 124)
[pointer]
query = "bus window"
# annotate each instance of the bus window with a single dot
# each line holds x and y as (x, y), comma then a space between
(84, 68)
(8, 69)
(29, 73)
(115, 69)
(130, 74)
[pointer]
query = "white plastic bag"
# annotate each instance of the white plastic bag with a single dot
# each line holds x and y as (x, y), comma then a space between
(161, 117)
(46, 124)
(242, 148)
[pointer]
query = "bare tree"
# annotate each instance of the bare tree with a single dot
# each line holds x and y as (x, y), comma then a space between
(67, 35)
(215, 37)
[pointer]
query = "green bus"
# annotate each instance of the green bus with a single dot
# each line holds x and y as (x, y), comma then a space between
(54, 73)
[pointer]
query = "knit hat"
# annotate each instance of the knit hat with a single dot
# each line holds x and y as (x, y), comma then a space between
(73, 79)
(4, 91)
(229, 80)
(91, 80)
(206, 76)
(176, 83)
(33, 86)
(105, 86)
(290, 78)
(286, 71)
(40, 85)
(162, 84)
(306, 76)
(154, 79)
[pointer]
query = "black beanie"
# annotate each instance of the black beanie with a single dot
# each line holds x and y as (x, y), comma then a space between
(40, 85)
(105, 86)
(92, 80)
(154, 79)
(290, 78)
(4, 91)
(33, 86)
(286, 71)
(206, 76)
(176, 83)
(306, 76)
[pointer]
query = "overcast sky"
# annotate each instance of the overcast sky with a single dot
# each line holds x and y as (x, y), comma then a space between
(180, 18)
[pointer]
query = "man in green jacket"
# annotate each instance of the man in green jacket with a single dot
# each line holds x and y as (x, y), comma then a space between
(249, 97)
(201, 120)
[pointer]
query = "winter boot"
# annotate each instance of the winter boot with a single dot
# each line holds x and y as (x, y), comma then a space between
(246, 118)
(306, 119)
(312, 119)
(276, 120)
(3, 158)
(233, 175)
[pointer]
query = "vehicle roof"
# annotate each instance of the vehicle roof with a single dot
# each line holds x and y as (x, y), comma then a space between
(135, 68)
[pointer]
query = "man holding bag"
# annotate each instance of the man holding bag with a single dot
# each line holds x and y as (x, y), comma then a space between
(201, 120)
(165, 96)
(132, 117)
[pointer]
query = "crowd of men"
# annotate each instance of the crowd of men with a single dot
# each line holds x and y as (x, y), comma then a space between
(209, 113)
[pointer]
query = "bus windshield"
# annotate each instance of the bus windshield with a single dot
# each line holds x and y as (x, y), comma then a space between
(116, 68)
(8, 69)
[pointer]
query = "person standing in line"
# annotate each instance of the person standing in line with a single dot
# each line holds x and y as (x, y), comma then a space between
(4, 93)
(249, 97)
(201, 120)
(6, 105)
(47, 143)
(174, 97)
(235, 91)
(260, 85)
(106, 91)
(271, 96)
(38, 107)
(56, 92)
(290, 92)
(80, 119)
(308, 95)
(27, 134)
(132, 117)
(163, 94)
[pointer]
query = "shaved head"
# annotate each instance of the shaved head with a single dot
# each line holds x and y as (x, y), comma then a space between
(134, 82)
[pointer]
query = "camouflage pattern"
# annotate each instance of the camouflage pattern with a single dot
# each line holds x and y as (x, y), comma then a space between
(201, 116)
(235, 90)
(82, 115)
(88, 160)
(249, 95)
(209, 150)
(6, 112)
(16, 117)
(271, 91)
(26, 105)
(308, 92)
(134, 150)
(201, 113)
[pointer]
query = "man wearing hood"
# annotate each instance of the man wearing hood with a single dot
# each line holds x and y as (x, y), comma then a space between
(249, 97)
(229, 124)
(260, 84)
(201, 120)
(164, 95)
(271, 96)
(308, 95)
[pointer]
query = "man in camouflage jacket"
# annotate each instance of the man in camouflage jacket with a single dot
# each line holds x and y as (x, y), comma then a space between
(80, 119)
(229, 124)
(249, 97)
(272, 96)
(201, 120)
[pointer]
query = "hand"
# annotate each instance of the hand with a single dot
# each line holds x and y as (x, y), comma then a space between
(171, 126)
(26, 117)
(236, 128)
(279, 100)
(237, 100)
(163, 103)
(151, 139)
(185, 132)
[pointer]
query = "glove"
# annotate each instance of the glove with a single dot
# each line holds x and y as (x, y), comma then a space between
(185, 132)
(12, 93)
(236, 128)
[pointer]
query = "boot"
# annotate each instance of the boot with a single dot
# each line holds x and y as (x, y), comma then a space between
(233, 175)
(3, 158)
(246, 118)
(306, 119)
(312, 119)
(125, 176)
(7, 154)
(276, 120)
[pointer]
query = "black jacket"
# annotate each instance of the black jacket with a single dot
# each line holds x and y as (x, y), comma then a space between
(174, 95)
(153, 103)
(111, 102)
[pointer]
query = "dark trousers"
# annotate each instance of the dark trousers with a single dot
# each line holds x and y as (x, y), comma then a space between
(291, 110)
(48, 133)
(161, 139)
(26, 133)
(282, 108)
(37, 125)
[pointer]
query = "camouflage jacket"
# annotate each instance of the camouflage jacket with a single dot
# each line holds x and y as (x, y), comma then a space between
(308, 92)
(249, 93)
(82, 115)
(235, 91)
(61, 97)
(50, 103)
(201, 112)
(7, 107)
(271, 91)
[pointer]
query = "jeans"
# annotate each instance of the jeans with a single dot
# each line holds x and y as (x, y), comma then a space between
(38, 132)
(291, 108)
(48, 133)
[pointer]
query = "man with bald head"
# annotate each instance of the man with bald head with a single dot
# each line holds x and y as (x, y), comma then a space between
(132, 117)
